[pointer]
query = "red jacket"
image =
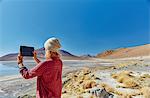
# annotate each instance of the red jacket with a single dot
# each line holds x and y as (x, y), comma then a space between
(49, 78)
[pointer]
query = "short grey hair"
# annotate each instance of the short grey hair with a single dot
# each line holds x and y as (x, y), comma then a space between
(52, 44)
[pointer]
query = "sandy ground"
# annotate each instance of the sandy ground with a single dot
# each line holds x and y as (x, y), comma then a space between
(98, 73)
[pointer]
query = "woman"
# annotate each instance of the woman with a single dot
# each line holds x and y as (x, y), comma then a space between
(48, 73)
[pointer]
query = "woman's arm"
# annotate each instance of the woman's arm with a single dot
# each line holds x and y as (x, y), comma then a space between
(35, 71)
(36, 60)
(35, 57)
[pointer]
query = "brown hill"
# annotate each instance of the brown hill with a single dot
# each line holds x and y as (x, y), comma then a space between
(137, 51)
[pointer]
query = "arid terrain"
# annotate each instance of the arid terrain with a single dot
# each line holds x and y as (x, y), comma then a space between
(92, 77)
(143, 50)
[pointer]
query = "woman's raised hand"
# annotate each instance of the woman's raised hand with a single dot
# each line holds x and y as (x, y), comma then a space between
(19, 58)
(34, 54)
(35, 57)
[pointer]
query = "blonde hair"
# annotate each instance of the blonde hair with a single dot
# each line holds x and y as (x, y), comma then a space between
(54, 54)
(52, 44)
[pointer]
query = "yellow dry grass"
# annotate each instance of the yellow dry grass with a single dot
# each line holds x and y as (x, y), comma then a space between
(110, 89)
(130, 81)
(145, 76)
(89, 84)
(107, 87)
(125, 78)
(128, 63)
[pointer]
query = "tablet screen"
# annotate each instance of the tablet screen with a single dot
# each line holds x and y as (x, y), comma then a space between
(26, 51)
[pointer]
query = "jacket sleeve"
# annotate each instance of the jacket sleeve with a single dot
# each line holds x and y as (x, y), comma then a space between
(35, 71)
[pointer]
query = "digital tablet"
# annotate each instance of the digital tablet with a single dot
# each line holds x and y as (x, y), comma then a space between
(26, 51)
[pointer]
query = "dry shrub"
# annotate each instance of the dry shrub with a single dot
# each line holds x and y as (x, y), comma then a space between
(89, 84)
(86, 77)
(122, 78)
(115, 76)
(129, 83)
(127, 73)
(126, 78)
(126, 96)
(145, 76)
(125, 64)
(145, 91)
(92, 96)
(118, 93)
(107, 87)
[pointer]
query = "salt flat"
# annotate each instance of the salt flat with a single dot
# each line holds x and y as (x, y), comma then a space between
(12, 86)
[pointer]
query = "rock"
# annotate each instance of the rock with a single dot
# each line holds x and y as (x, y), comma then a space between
(101, 93)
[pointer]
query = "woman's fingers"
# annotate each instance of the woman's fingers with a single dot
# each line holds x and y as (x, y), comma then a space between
(34, 54)
(20, 56)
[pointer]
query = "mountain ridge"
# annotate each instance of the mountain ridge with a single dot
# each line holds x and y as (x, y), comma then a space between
(135, 51)
(40, 54)
(125, 52)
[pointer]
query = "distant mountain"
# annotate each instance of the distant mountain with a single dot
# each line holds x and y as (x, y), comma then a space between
(137, 51)
(40, 54)
(12, 56)
(87, 56)
(65, 53)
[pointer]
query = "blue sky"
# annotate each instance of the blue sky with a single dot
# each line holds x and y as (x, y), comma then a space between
(83, 26)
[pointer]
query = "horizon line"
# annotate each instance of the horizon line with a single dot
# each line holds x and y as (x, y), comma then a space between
(86, 53)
